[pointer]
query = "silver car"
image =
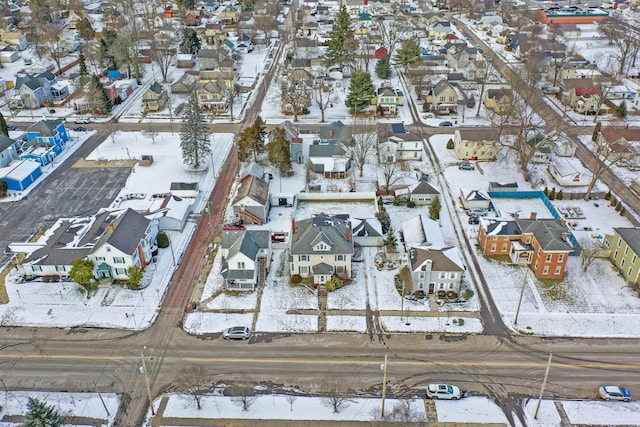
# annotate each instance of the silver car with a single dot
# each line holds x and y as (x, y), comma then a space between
(236, 333)
(443, 391)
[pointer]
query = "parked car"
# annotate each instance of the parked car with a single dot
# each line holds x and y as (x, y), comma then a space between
(467, 166)
(11, 127)
(82, 120)
(443, 391)
(236, 333)
(474, 220)
(233, 226)
(278, 237)
(80, 129)
(477, 212)
(614, 392)
(446, 124)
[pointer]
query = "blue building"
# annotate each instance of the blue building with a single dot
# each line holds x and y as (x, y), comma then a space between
(21, 174)
(45, 140)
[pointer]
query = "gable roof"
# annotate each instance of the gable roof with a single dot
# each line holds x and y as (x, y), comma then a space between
(473, 195)
(442, 259)
(128, 229)
(500, 227)
(422, 187)
(366, 228)
(45, 127)
(631, 236)
(254, 188)
(324, 227)
(6, 142)
(246, 242)
(333, 131)
(327, 150)
(156, 88)
(547, 232)
(479, 134)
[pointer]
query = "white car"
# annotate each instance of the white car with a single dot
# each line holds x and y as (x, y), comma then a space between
(443, 391)
(236, 333)
(614, 392)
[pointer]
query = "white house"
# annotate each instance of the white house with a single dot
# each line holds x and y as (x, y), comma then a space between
(246, 255)
(367, 232)
(472, 199)
(569, 172)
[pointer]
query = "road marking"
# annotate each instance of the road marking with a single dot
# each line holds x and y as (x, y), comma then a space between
(62, 356)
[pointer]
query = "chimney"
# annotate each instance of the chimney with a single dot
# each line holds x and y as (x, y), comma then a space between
(348, 233)
(110, 228)
(516, 215)
(533, 215)
(293, 226)
(564, 237)
(563, 222)
(330, 133)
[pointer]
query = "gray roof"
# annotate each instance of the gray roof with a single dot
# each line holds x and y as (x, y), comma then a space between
(322, 268)
(332, 230)
(478, 135)
(32, 81)
(631, 236)
(471, 195)
(6, 142)
(128, 229)
(424, 187)
(547, 232)
(500, 227)
(334, 131)
(364, 229)
(253, 187)
(45, 127)
(246, 242)
(441, 262)
(327, 150)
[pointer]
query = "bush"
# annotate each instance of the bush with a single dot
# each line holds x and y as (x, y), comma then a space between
(411, 204)
(552, 195)
(334, 284)
(546, 191)
(460, 322)
(162, 239)
(623, 211)
(420, 294)
(618, 207)
(613, 202)
(608, 195)
(450, 144)
(296, 279)
(467, 294)
(560, 196)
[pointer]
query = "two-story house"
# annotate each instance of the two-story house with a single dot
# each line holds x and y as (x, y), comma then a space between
(476, 144)
(252, 203)
(33, 90)
(331, 160)
(436, 271)
(624, 244)
(387, 100)
(442, 98)
(498, 100)
(321, 247)
(543, 244)
(45, 140)
(246, 256)
(213, 95)
(396, 143)
(154, 98)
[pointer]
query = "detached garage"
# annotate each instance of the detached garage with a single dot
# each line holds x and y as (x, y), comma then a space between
(21, 174)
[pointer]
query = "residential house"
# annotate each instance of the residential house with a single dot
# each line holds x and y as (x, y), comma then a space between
(387, 100)
(569, 172)
(119, 90)
(252, 203)
(33, 91)
(541, 144)
(624, 244)
(113, 241)
(620, 142)
(442, 98)
(476, 144)
(246, 255)
(70, 41)
(45, 140)
(330, 160)
(471, 69)
(8, 150)
(396, 143)
(321, 247)
(16, 39)
(184, 85)
(439, 30)
(185, 60)
(475, 199)
(422, 231)
(563, 146)
(59, 92)
(228, 17)
(211, 58)
(9, 56)
(581, 94)
(367, 232)
(154, 98)
(295, 142)
(543, 244)
(498, 100)
(334, 132)
(436, 271)
(193, 18)
(297, 91)
(213, 96)
(422, 193)
(213, 33)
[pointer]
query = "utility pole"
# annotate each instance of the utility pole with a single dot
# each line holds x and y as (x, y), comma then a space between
(524, 281)
(384, 382)
(146, 382)
(544, 383)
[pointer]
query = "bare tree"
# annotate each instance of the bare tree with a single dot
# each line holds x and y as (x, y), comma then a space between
(589, 251)
(336, 398)
(486, 72)
(623, 37)
(393, 34)
(323, 97)
(608, 152)
(291, 398)
(243, 397)
(390, 173)
(193, 380)
(265, 23)
(151, 134)
(419, 77)
(52, 41)
(164, 50)
(295, 95)
(363, 143)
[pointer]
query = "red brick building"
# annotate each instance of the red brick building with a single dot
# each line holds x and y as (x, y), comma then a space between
(540, 243)
(571, 15)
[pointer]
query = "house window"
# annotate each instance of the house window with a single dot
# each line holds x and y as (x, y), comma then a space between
(303, 257)
(443, 275)
(36, 268)
(493, 248)
(622, 263)
(558, 268)
(340, 269)
(633, 259)
(118, 260)
(339, 257)
(100, 258)
(626, 251)
(450, 286)
(241, 266)
(415, 155)
(452, 275)
(440, 285)
(615, 254)
(629, 271)
(321, 247)
(304, 270)
(545, 270)
(561, 257)
(619, 242)
(421, 275)
(121, 272)
(495, 237)
(504, 247)
(548, 257)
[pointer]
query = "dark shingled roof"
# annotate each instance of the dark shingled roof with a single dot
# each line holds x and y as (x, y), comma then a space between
(441, 262)
(547, 232)
(254, 188)
(128, 230)
(330, 229)
(631, 236)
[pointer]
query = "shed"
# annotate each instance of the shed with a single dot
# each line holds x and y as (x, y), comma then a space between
(569, 172)
(21, 174)
(495, 186)
(471, 199)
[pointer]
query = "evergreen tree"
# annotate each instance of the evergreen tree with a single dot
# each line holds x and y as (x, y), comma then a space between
(278, 150)
(99, 101)
(186, 4)
(360, 91)
(383, 68)
(190, 42)
(39, 414)
(256, 134)
(450, 144)
(243, 141)
(552, 195)
(408, 54)
(81, 271)
(82, 62)
(596, 131)
(434, 208)
(338, 48)
(560, 196)
(608, 195)
(3, 126)
(390, 238)
(194, 135)
(4, 189)
(621, 110)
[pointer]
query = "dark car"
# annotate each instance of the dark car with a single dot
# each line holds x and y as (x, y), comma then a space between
(11, 127)
(80, 129)
(474, 220)
(446, 124)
